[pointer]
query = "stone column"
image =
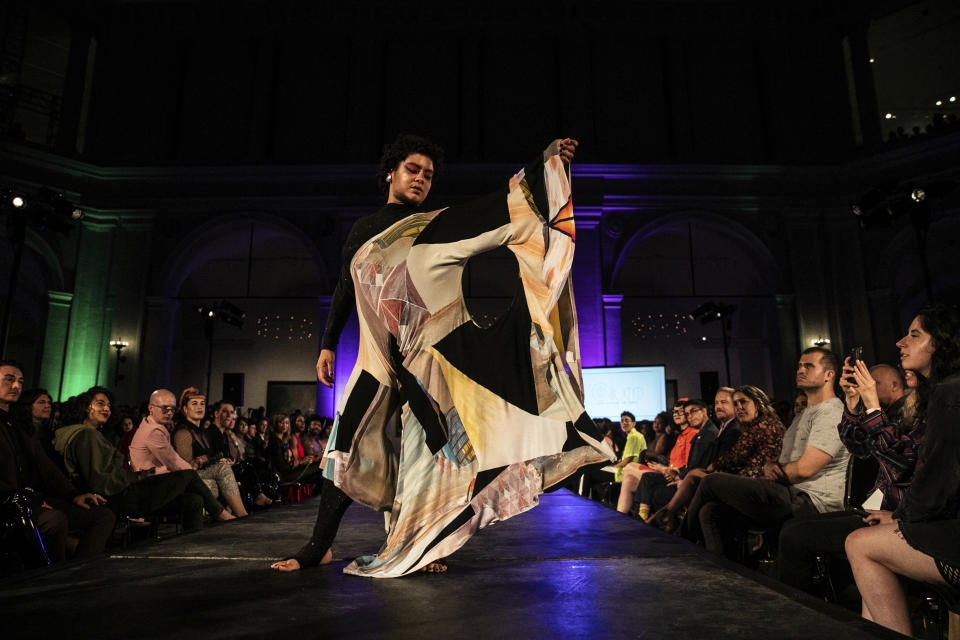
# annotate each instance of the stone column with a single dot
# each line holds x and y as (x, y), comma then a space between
(88, 338)
(128, 288)
(789, 345)
(612, 347)
(55, 341)
(587, 287)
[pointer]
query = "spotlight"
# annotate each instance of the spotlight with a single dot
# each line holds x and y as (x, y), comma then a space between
(939, 103)
(889, 116)
(872, 60)
(76, 214)
(17, 202)
(918, 195)
(953, 98)
(857, 210)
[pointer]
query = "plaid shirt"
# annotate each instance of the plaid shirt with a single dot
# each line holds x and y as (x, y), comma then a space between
(894, 447)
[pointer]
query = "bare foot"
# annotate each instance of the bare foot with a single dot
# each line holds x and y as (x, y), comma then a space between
(226, 515)
(262, 501)
(437, 566)
(292, 564)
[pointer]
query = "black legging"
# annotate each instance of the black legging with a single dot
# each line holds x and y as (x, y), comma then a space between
(333, 504)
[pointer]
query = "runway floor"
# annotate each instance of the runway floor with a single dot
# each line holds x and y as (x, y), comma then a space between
(570, 568)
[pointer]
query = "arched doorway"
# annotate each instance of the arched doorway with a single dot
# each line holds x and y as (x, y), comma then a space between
(670, 267)
(269, 269)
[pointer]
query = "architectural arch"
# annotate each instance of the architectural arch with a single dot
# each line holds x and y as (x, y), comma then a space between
(206, 243)
(743, 238)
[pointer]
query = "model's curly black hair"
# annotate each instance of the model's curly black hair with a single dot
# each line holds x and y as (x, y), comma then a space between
(398, 150)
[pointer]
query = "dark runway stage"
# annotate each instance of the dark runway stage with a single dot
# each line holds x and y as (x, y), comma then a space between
(570, 568)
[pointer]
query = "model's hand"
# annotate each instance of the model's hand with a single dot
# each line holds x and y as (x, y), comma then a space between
(325, 367)
(568, 147)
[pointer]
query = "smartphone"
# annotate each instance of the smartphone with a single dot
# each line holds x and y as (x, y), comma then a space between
(855, 354)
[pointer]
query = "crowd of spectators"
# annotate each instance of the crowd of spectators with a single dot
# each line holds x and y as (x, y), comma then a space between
(74, 474)
(715, 474)
(757, 479)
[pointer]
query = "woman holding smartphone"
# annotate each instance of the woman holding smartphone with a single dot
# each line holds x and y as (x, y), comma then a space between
(918, 539)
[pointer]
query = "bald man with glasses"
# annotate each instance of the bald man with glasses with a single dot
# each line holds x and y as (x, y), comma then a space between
(151, 447)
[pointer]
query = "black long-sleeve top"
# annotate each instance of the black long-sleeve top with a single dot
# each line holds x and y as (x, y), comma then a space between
(24, 464)
(343, 295)
(929, 512)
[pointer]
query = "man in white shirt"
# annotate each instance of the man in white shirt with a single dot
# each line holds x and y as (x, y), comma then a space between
(809, 477)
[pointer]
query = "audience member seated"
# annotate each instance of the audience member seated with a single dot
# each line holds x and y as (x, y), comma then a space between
(315, 443)
(655, 489)
(659, 447)
(59, 508)
(891, 389)
(634, 445)
(151, 449)
(809, 478)
(281, 459)
(261, 437)
(633, 472)
(249, 474)
(203, 449)
(799, 404)
(880, 434)
(919, 539)
(32, 412)
(759, 442)
(97, 464)
(726, 416)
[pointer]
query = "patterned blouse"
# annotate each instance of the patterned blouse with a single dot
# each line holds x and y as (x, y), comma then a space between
(760, 442)
(894, 447)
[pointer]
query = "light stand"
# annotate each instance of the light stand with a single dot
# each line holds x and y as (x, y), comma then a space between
(711, 311)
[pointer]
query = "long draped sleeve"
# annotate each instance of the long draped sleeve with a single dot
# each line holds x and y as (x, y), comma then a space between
(490, 416)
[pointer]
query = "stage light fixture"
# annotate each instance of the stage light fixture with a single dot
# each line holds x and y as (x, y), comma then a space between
(17, 202)
(939, 103)
(889, 116)
(918, 195)
(76, 214)
(857, 210)
(953, 98)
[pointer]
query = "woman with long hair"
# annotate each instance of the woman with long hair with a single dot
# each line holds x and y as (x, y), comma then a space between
(919, 539)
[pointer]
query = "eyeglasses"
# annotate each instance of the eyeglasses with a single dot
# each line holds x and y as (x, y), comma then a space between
(164, 408)
(696, 410)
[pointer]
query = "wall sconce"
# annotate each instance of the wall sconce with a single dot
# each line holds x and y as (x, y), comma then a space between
(820, 342)
(119, 345)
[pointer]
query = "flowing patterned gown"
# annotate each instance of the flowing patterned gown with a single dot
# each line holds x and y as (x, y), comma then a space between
(490, 417)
